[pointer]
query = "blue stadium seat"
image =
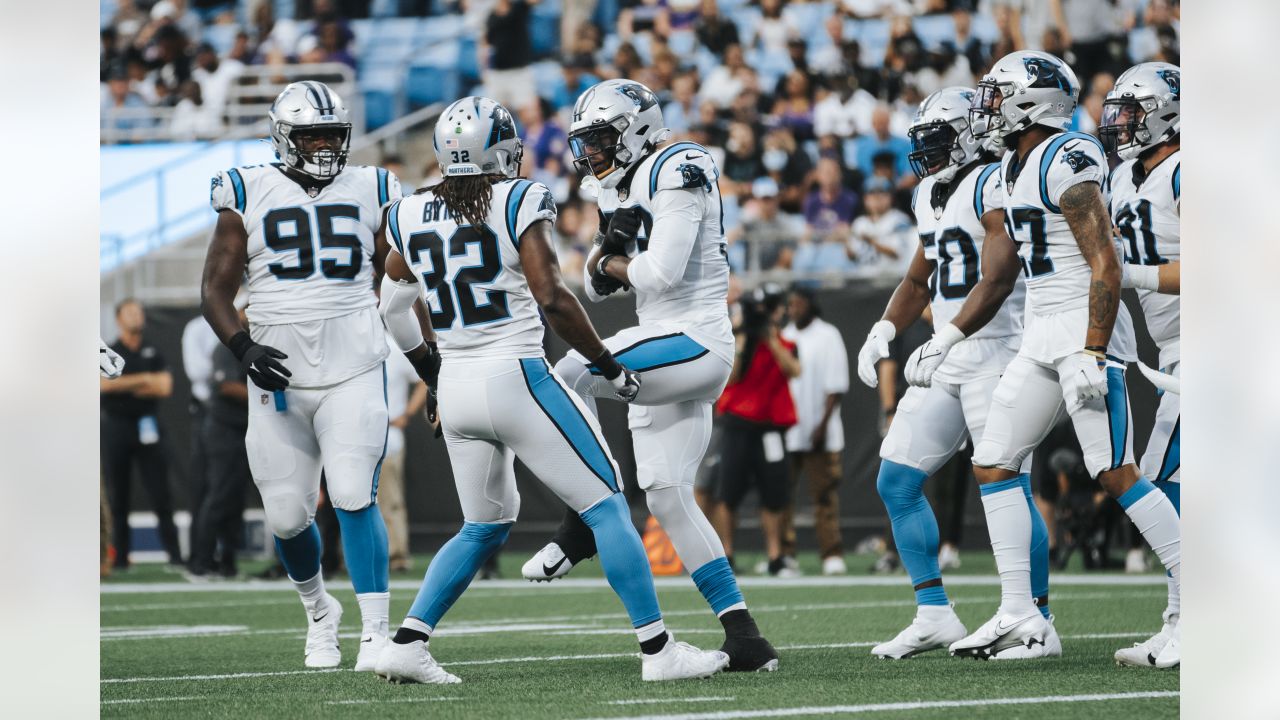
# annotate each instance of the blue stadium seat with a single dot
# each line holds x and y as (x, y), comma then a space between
(106, 11)
(285, 9)
(934, 30)
(441, 27)
(221, 37)
(379, 108)
(682, 42)
(544, 33)
(984, 28)
(386, 77)
(606, 14)
(769, 66)
(469, 59)
(747, 18)
(547, 76)
(433, 77)
(384, 8)
(809, 17)
(360, 32)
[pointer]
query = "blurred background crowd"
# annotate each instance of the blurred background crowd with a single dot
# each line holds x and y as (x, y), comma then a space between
(805, 107)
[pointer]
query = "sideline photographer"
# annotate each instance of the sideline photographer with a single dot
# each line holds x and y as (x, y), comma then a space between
(756, 408)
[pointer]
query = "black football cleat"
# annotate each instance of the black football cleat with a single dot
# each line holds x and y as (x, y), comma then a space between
(749, 654)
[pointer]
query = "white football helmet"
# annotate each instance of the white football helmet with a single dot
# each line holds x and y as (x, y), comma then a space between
(310, 106)
(477, 136)
(1022, 89)
(941, 142)
(1142, 110)
(616, 124)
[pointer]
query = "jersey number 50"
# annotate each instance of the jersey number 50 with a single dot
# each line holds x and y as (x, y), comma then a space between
(434, 246)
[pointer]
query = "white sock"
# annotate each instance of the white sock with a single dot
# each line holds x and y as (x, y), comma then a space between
(1158, 522)
(1009, 524)
(1174, 610)
(311, 591)
(654, 629)
(934, 613)
(375, 608)
(413, 623)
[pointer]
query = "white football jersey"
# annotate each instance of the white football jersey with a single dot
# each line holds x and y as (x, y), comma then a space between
(1145, 210)
(309, 257)
(471, 277)
(310, 266)
(697, 304)
(1057, 274)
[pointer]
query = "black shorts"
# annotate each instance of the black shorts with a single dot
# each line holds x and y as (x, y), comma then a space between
(745, 464)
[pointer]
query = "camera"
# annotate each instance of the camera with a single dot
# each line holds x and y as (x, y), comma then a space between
(758, 308)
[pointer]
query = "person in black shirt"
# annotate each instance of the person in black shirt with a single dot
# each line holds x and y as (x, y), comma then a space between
(130, 433)
(508, 78)
(226, 420)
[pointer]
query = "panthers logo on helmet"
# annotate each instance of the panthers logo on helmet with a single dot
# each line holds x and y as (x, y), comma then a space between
(1173, 79)
(1044, 73)
(502, 128)
(643, 96)
(1077, 160)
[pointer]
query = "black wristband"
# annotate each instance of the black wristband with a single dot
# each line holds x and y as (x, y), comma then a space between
(1097, 348)
(239, 344)
(609, 367)
(603, 262)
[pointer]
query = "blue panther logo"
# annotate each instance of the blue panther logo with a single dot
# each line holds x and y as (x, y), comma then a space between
(1077, 160)
(217, 183)
(1173, 79)
(693, 177)
(502, 127)
(641, 95)
(1043, 73)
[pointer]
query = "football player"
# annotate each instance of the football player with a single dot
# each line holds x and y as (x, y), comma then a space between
(110, 364)
(966, 268)
(663, 239)
(302, 229)
(1076, 340)
(479, 246)
(1141, 122)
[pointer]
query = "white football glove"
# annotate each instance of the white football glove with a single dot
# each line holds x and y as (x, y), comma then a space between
(924, 362)
(875, 349)
(1164, 381)
(110, 364)
(1086, 375)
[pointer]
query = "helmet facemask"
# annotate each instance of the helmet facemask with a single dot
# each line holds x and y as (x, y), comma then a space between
(308, 154)
(985, 118)
(935, 147)
(1124, 126)
(598, 150)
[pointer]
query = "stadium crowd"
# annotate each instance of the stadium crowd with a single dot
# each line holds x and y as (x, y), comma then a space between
(804, 106)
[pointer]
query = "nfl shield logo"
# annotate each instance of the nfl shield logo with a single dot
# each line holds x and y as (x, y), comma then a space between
(264, 398)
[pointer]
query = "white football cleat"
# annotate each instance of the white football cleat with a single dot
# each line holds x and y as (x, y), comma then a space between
(680, 660)
(948, 557)
(935, 627)
(834, 565)
(412, 663)
(1052, 647)
(322, 649)
(1144, 654)
(1003, 632)
(371, 645)
(547, 564)
(1170, 656)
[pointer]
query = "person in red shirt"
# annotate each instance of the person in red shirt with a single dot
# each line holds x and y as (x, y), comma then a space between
(755, 409)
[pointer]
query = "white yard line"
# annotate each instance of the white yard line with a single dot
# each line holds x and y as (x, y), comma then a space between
(683, 582)
(550, 658)
(660, 701)
(131, 701)
(393, 700)
(900, 706)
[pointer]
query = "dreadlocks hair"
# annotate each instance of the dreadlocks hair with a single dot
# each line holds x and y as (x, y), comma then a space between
(467, 196)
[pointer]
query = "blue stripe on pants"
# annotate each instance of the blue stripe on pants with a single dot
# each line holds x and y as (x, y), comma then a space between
(1117, 414)
(658, 352)
(559, 408)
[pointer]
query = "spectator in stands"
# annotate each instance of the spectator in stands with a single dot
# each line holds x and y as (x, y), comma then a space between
(816, 441)
(742, 163)
(1091, 103)
(637, 16)
(215, 76)
(508, 77)
(724, 82)
(1093, 32)
(881, 140)
(1144, 41)
(131, 434)
(755, 409)
(120, 97)
(829, 58)
(661, 72)
(276, 39)
(575, 228)
(217, 519)
(1054, 40)
(394, 164)
(128, 21)
(170, 63)
(626, 61)
(176, 12)
(191, 120)
(788, 165)
(774, 29)
(545, 145)
(330, 44)
(750, 105)
(765, 240)
(677, 16)
(579, 74)
(867, 9)
(969, 50)
(828, 212)
(715, 32)
(574, 14)
(406, 397)
(710, 130)
(109, 52)
(883, 237)
(794, 107)
(844, 110)
(681, 112)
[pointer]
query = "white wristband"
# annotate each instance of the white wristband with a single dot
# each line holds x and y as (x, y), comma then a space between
(884, 329)
(948, 335)
(1142, 277)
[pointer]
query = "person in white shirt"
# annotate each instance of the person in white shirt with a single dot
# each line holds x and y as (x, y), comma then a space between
(817, 439)
(402, 405)
(882, 236)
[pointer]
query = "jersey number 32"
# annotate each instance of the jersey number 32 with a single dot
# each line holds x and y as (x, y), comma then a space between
(457, 297)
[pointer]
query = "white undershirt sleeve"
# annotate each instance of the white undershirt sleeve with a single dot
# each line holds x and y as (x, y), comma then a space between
(396, 308)
(677, 220)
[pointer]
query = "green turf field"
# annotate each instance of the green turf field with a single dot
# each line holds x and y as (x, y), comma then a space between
(565, 650)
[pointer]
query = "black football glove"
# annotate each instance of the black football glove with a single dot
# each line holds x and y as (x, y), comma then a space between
(260, 362)
(623, 228)
(604, 284)
(427, 364)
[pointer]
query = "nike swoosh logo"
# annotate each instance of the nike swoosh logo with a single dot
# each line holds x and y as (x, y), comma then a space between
(1069, 146)
(365, 640)
(318, 618)
(934, 354)
(1002, 628)
(692, 157)
(552, 568)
